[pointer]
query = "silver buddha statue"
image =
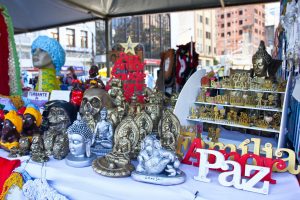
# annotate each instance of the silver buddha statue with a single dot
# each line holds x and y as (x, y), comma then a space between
(103, 135)
(80, 140)
(157, 165)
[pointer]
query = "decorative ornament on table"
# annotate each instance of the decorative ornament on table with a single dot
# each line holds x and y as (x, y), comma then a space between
(157, 165)
(38, 151)
(11, 131)
(80, 141)
(214, 134)
(154, 108)
(57, 117)
(103, 135)
(10, 82)
(117, 163)
(49, 56)
(144, 122)
(32, 120)
(169, 130)
(94, 99)
(263, 64)
(76, 94)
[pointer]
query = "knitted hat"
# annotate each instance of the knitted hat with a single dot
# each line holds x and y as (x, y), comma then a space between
(15, 119)
(53, 48)
(37, 115)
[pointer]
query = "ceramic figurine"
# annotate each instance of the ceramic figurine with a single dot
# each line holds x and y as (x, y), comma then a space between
(61, 147)
(12, 128)
(94, 99)
(263, 64)
(169, 130)
(32, 120)
(153, 109)
(38, 153)
(57, 117)
(117, 163)
(103, 135)
(157, 165)
(80, 141)
(145, 125)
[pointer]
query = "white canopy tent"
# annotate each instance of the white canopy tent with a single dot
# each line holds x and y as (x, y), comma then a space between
(32, 15)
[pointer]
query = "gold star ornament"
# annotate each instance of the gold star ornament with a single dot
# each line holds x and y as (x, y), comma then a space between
(129, 46)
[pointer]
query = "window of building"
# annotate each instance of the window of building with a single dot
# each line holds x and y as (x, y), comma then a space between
(260, 32)
(240, 12)
(207, 63)
(55, 34)
(259, 22)
(263, 33)
(208, 35)
(215, 50)
(228, 33)
(228, 24)
(222, 16)
(84, 39)
(256, 31)
(259, 13)
(222, 25)
(206, 20)
(255, 20)
(263, 24)
(70, 37)
(222, 34)
(209, 49)
(240, 22)
(240, 32)
(200, 18)
(255, 10)
(228, 15)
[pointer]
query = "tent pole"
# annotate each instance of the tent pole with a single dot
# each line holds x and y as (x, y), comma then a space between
(108, 37)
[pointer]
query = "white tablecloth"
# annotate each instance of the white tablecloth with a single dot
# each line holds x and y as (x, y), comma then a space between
(85, 184)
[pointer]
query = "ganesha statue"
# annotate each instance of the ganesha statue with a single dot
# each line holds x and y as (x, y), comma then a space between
(157, 165)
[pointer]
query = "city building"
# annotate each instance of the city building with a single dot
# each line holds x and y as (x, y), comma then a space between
(197, 26)
(240, 29)
(77, 40)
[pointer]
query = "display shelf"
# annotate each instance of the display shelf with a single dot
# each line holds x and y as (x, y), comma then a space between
(244, 90)
(235, 137)
(234, 125)
(236, 106)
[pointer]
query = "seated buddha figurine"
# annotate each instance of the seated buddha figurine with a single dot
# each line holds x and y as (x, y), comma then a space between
(49, 56)
(117, 163)
(12, 128)
(103, 135)
(80, 141)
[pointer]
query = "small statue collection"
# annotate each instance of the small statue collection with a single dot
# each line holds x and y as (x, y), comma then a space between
(270, 120)
(108, 135)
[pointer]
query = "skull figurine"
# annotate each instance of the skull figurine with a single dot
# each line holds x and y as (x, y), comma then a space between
(94, 99)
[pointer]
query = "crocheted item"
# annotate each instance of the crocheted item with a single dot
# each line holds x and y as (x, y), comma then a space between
(40, 189)
(53, 48)
(15, 179)
(47, 80)
(7, 167)
(13, 60)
